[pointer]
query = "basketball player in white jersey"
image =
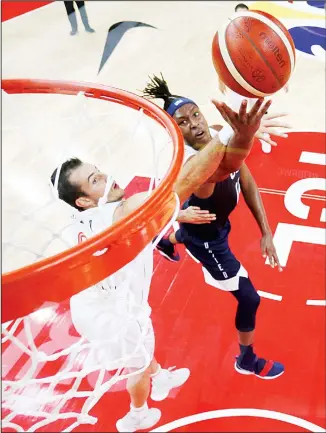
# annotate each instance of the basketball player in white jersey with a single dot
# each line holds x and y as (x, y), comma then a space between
(100, 312)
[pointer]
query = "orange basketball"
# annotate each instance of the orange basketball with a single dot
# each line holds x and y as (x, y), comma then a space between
(253, 54)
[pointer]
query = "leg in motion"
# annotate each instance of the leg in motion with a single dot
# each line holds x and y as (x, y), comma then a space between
(248, 362)
(69, 5)
(223, 271)
(163, 380)
(84, 17)
(140, 416)
(166, 246)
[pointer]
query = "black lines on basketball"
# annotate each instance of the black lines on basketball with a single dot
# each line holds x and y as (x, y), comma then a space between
(261, 55)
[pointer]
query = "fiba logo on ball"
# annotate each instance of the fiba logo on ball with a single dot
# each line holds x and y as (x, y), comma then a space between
(258, 75)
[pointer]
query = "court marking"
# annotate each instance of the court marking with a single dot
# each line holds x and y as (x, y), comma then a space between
(316, 302)
(280, 192)
(313, 158)
(225, 413)
(268, 295)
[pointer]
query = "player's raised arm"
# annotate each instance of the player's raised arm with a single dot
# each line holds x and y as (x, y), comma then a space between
(244, 126)
(216, 161)
(193, 174)
(215, 157)
(200, 168)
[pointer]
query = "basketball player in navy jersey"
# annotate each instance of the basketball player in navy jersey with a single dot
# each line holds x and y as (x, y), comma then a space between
(208, 242)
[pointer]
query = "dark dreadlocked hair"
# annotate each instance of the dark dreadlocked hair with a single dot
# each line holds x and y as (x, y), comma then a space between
(158, 88)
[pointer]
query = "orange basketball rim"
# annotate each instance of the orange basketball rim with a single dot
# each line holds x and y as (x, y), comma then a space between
(59, 277)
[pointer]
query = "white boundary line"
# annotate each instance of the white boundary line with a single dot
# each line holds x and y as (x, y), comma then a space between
(280, 192)
(317, 302)
(313, 158)
(269, 295)
(226, 413)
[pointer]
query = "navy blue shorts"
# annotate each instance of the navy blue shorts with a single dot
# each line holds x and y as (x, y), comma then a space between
(221, 268)
(223, 271)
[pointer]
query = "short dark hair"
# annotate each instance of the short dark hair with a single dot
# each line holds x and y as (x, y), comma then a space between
(68, 191)
(241, 5)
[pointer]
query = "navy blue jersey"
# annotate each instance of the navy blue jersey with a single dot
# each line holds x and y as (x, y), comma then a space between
(222, 202)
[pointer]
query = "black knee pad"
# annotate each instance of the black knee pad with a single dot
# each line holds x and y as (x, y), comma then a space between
(248, 303)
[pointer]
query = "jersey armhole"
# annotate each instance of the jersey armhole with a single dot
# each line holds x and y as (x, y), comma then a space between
(116, 211)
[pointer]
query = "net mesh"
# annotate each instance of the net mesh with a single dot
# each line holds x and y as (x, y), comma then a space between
(113, 137)
(47, 398)
(41, 380)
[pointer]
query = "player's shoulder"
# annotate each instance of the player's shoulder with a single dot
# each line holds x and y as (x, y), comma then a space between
(87, 223)
(188, 153)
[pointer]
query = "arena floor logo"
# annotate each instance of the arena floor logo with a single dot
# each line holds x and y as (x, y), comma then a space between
(114, 36)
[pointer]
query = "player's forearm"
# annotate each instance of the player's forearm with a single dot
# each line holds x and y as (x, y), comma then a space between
(199, 168)
(237, 150)
(254, 202)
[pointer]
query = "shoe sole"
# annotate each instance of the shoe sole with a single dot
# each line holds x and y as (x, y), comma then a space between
(166, 256)
(248, 373)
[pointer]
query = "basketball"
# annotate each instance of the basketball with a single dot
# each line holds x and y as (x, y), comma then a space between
(253, 54)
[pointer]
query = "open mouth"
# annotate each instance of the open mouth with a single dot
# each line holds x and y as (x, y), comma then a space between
(200, 134)
(115, 185)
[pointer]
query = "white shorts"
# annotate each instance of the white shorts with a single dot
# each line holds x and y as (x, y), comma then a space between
(120, 330)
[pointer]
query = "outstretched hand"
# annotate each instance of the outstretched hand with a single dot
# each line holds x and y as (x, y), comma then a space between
(243, 123)
(272, 126)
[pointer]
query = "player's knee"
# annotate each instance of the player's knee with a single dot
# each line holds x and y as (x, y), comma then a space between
(249, 298)
(255, 300)
(136, 376)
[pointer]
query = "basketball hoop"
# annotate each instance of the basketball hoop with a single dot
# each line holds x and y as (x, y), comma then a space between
(59, 277)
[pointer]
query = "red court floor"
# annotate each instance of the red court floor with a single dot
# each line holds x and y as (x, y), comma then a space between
(194, 323)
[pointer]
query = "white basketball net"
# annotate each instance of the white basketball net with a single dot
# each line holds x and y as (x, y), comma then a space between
(39, 133)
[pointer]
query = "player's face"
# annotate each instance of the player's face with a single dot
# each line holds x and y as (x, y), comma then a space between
(193, 125)
(93, 182)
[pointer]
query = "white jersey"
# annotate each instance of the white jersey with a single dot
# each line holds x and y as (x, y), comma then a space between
(114, 314)
(94, 221)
